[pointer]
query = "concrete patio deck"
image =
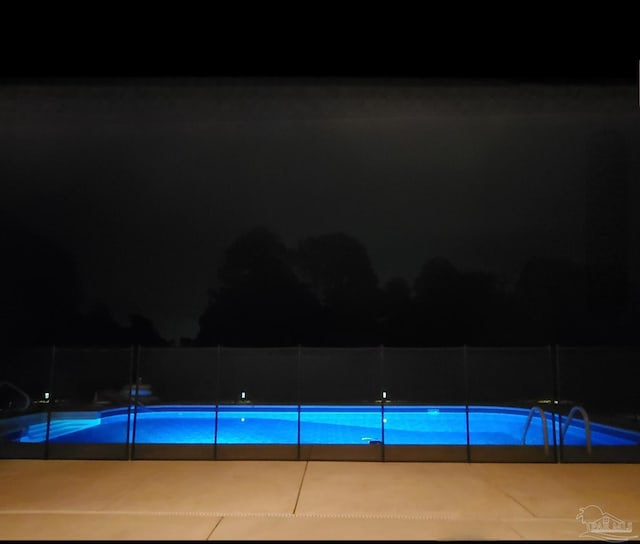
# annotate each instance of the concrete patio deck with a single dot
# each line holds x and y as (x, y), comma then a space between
(316, 500)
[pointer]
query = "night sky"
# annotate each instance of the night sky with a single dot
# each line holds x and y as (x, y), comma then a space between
(147, 181)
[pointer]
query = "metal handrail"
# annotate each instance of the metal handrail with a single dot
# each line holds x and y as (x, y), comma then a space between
(16, 388)
(587, 424)
(545, 434)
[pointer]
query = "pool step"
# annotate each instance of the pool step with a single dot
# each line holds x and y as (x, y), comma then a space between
(38, 432)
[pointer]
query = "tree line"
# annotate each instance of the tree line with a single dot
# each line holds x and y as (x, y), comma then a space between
(322, 292)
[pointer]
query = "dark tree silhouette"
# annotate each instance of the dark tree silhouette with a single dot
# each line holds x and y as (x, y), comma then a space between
(458, 307)
(482, 307)
(39, 290)
(397, 322)
(40, 299)
(438, 297)
(142, 332)
(338, 270)
(97, 327)
(551, 294)
(607, 229)
(260, 302)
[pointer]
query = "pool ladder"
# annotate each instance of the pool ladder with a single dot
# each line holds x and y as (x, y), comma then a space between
(587, 424)
(545, 435)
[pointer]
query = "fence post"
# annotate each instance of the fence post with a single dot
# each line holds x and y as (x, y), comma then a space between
(51, 400)
(132, 366)
(299, 394)
(557, 395)
(136, 367)
(382, 396)
(217, 393)
(554, 399)
(466, 398)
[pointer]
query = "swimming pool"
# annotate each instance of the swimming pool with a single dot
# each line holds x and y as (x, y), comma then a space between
(341, 425)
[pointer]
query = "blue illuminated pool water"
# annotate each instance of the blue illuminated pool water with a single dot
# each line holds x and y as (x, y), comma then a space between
(254, 424)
